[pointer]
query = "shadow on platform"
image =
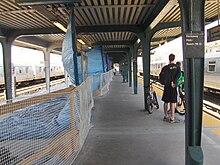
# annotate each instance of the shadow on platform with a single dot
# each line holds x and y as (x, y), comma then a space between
(125, 134)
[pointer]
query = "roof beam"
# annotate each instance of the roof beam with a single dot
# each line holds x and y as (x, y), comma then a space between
(26, 32)
(114, 6)
(43, 2)
(163, 39)
(165, 25)
(34, 41)
(169, 5)
(45, 12)
(158, 13)
(122, 42)
(110, 28)
(116, 49)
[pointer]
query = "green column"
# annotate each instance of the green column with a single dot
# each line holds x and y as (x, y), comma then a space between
(145, 43)
(192, 13)
(129, 69)
(133, 50)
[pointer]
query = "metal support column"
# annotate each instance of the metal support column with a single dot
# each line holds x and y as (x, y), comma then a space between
(129, 69)
(47, 68)
(145, 43)
(133, 50)
(6, 45)
(75, 52)
(192, 13)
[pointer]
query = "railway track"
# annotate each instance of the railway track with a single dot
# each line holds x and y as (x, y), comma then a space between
(33, 88)
(208, 107)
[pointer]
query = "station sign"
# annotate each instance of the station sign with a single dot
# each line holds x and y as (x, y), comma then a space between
(194, 45)
(213, 34)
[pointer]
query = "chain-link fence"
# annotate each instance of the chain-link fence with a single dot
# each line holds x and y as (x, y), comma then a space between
(47, 129)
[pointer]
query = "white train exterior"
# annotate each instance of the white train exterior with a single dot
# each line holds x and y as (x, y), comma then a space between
(24, 73)
(159, 58)
(28, 65)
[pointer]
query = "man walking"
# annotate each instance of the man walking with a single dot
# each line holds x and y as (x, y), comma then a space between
(172, 73)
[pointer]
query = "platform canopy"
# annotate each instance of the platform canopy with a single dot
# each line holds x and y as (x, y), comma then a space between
(113, 24)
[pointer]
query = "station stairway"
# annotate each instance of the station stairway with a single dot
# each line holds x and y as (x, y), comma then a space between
(124, 134)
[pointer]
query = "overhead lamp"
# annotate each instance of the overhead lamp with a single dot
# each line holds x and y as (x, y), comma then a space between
(60, 26)
(90, 47)
(138, 40)
(81, 41)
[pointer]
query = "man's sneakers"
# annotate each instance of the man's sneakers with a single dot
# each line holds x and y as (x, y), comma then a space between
(174, 121)
(165, 118)
(171, 120)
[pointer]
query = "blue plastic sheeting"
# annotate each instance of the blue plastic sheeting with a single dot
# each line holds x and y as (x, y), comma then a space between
(94, 60)
(96, 82)
(110, 62)
(95, 66)
(63, 118)
(43, 120)
(110, 65)
(67, 57)
(105, 62)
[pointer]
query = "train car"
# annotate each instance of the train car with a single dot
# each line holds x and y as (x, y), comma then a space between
(56, 71)
(212, 71)
(30, 73)
(1, 75)
(159, 58)
(22, 72)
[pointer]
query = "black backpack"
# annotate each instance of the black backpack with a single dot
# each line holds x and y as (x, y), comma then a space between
(163, 75)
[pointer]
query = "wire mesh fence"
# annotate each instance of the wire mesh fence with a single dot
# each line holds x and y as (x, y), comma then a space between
(102, 82)
(47, 129)
(50, 128)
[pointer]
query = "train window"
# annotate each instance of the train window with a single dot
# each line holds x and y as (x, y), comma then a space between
(40, 69)
(20, 71)
(211, 67)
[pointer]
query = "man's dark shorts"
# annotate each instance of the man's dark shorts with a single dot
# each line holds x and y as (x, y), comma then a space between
(169, 95)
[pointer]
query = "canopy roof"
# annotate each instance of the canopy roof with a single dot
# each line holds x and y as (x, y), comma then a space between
(111, 23)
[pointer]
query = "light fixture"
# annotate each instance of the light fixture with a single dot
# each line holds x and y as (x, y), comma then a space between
(81, 41)
(138, 40)
(60, 26)
(90, 47)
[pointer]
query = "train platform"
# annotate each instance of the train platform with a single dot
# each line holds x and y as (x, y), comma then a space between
(124, 134)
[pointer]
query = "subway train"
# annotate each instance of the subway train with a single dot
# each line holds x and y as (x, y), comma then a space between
(28, 66)
(31, 73)
(159, 58)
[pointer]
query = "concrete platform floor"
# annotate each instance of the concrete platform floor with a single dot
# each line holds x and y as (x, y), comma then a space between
(125, 134)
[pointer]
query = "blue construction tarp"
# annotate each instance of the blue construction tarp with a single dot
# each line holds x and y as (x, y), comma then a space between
(105, 62)
(95, 66)
(67, 57)
(95, 61)
(43, 120)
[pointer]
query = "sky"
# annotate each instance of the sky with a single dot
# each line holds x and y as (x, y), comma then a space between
(28, 56)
